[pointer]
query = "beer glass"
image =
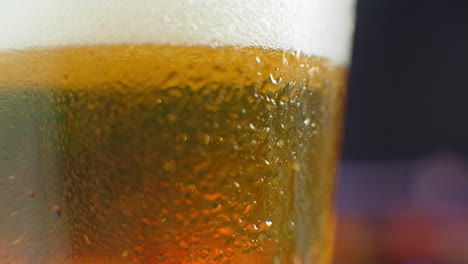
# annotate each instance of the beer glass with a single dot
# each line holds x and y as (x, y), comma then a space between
(181, 131)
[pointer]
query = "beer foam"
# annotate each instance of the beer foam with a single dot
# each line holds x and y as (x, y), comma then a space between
(316, 27)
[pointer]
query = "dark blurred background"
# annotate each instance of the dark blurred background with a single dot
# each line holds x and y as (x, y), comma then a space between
(403, 186)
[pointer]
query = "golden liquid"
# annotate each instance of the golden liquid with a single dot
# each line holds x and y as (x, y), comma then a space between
(161, 154)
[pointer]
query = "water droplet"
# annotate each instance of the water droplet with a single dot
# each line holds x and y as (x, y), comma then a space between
(145, 221)
(14, 213)
(206, 139)
(297, 54)
(183, 244)
(251, 126)
(307, 121)
(258, 60)
(17, 241)
(243, 111)
(86, 239)
(313, 71)
(57, 210)
(226, 231)
(169, 165)
(275, 81)
(124, 254)
(30, 194)
(212, 197)
(268, 223)
(296, 166)
(182, 138)
(139, 249)
(285, 60)
(237, 184)
(247, 209)
(171, 117)
(267, 162)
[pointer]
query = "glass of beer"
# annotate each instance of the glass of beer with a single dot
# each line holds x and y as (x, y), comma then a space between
(181, 131)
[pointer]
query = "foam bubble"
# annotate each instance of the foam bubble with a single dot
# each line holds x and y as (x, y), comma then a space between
(316, 27)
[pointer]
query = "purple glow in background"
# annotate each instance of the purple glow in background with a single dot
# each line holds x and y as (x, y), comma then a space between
(402, 193)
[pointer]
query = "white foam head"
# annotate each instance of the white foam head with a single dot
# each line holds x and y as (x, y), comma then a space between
(316, 27)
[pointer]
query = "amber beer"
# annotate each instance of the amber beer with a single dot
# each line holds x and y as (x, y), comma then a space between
(165, 150)
(165, 154)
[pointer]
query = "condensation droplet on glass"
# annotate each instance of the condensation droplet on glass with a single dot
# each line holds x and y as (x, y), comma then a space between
(298, 55)
(285, 60)
(275, 81)
(251, 126)
(216, 125)
(183, 244)
(267, 162)
(86, 239)
(307, 121)
(243, 111)
(30, 194)
(171, 117)
(258, 60)
(237, 184)
(182, 138)
(14, 213)
(169, 165)
(17, 241)
(226, 231)
(206, 139)
(247, 209)
(313, 71)
(268, 223)
(57, 210)
(296, 166)
(280, 143)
